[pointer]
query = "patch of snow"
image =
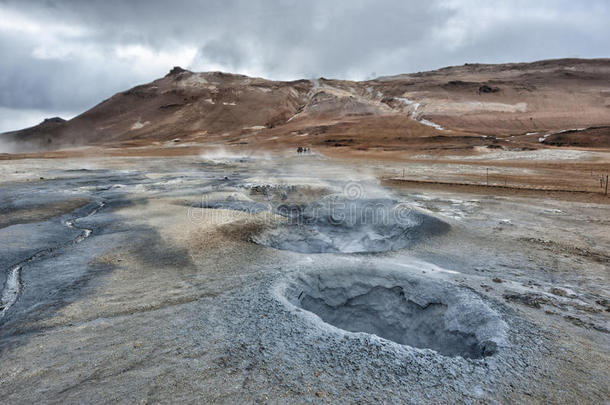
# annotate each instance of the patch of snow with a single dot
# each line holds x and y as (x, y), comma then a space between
(431, 124)
(414, 113)
(414, 105)
(570, 130)
(543, 138)
(405, 100)
(139, 125)
(227, 103)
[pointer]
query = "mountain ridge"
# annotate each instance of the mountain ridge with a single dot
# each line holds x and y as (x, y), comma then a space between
(515, 102)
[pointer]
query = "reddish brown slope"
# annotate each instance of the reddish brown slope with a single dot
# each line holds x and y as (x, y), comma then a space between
(399, 112)
(181, 104)
(545, 96)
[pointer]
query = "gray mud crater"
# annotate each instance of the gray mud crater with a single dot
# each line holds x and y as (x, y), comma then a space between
(408, 310)
(336, 224)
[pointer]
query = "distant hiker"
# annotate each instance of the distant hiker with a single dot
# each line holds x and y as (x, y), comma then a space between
(299, 150)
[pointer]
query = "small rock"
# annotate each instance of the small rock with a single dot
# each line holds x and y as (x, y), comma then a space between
(529, 299)
(558, 291)
(576, 321)
(176, 70)
(604, 303)
(496, 280)
(488, 89)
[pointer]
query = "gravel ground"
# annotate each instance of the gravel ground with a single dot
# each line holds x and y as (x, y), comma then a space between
(169, 300)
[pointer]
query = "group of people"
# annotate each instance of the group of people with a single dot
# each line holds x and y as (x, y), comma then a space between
(301, 150)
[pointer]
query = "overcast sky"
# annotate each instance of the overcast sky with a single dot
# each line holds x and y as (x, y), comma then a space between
(63, 57)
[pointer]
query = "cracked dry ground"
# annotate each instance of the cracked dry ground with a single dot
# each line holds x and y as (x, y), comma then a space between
(167, 302)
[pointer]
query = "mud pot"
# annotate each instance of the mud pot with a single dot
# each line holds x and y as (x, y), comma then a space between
(337, 224)
(408, 310)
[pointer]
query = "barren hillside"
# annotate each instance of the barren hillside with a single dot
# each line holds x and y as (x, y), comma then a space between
(501, 106)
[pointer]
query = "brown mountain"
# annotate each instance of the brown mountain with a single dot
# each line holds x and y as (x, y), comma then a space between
(511, 105)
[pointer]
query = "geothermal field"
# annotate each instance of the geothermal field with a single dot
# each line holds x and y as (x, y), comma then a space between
(439, 237)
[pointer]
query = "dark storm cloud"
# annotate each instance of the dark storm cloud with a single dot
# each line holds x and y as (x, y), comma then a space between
(69, 55)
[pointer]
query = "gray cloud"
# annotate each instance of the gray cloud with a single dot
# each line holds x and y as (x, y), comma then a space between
(69, 55)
